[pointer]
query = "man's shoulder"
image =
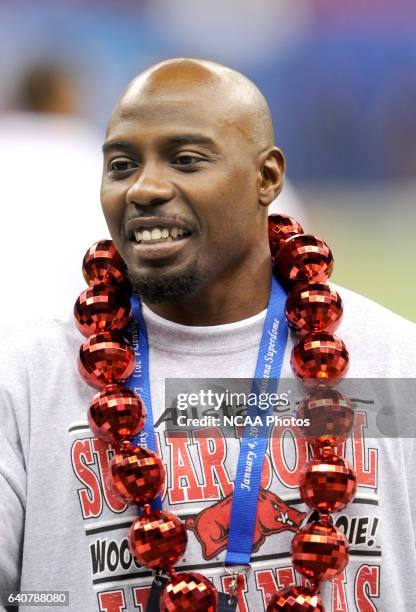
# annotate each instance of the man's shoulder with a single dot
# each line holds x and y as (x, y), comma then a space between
(381, 343)
(42, 339)
(370, 314)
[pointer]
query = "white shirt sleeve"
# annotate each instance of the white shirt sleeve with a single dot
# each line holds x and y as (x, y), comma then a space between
(14, 425)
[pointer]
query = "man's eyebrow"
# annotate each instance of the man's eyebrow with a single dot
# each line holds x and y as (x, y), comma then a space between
(181, 139)
(111, 145)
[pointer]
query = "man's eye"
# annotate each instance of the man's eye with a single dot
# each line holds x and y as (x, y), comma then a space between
(121, 165)
(186, 160)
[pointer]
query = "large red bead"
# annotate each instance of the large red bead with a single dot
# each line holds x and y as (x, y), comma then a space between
(320, 355)
(102, 308)
(157, 539)
(313, 307)
(319, 552)
(102, 263)
(328, 484)
(281, 227)
(295, 599)
(136, 474)
(189, 592)
(105, 358)
(329, 412)
(116, 413)
(305, 258)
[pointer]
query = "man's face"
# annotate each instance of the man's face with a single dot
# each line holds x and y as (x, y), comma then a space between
(179, 190)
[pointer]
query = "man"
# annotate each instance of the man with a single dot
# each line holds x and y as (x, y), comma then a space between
(190, 149)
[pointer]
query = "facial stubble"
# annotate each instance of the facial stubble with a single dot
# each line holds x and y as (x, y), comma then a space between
(167, 286)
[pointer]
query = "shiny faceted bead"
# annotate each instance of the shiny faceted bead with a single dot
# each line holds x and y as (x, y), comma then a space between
(313, 307)
(116, 413)
(136, 474)
(305, 258)
(157, 539)
(105, 358)
(319, 551)
(295, 599)
(102, 263)
(320, 355)
(328, 484)
(102, 308)
(329, 412)
(189, 592)
(281, 227)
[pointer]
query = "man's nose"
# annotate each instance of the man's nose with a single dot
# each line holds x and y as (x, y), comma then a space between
(150, 188)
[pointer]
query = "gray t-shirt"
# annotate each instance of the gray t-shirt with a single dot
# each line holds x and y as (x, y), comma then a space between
(61, 528)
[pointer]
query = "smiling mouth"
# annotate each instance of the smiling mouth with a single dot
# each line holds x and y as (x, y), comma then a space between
(159, 235)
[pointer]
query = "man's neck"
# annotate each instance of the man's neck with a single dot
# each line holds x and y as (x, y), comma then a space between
(228, 299)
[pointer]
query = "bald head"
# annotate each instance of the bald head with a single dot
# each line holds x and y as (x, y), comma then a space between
(238, 102)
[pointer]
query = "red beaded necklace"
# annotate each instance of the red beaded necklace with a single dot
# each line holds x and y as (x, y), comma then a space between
(158, 539)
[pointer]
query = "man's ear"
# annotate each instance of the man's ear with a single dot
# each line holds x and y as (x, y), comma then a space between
(272, 173)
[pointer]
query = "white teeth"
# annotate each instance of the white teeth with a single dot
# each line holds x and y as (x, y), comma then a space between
(156, 234)
(159, 233)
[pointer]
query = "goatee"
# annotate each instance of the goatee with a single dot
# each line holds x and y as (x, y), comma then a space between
(166, 287)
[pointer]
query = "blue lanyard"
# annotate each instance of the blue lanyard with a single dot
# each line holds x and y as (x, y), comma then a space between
(255, 439)
(139, 381)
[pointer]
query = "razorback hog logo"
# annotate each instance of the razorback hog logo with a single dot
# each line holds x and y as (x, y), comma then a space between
(211, 526)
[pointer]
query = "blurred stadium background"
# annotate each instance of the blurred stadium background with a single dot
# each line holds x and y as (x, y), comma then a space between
(340, 79)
